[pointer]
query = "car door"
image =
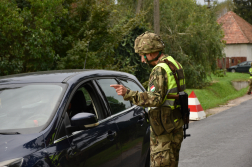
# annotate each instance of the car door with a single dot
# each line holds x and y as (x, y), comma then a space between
(93, 147)
(241, 67)
(133, 128)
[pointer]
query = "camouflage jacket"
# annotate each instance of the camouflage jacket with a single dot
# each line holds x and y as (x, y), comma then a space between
(154, 97)
(162, 118)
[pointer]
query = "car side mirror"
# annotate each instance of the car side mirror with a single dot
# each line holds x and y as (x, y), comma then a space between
(84, 120)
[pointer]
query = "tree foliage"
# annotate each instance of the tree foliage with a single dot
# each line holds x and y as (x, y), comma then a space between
(28, 32)
(222, 8)
(99, 34)
(193, 37)
(244, 9)
(125, 55)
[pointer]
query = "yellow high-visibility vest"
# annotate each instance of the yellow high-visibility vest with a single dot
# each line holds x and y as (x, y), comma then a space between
(171, 84)
(250, 72)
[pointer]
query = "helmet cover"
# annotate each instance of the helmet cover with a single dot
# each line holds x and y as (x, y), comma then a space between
(148, 43)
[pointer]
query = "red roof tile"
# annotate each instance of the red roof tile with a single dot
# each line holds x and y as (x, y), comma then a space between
(236, 29)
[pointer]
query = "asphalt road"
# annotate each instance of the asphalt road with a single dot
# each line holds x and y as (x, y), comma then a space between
(221, 140)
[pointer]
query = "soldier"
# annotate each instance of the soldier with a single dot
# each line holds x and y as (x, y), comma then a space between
(165, 117)
(250, 80)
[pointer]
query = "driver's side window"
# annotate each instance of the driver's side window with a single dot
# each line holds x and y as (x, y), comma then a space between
(81, 102)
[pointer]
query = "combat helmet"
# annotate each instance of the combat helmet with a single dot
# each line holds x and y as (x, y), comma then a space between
(148, 43)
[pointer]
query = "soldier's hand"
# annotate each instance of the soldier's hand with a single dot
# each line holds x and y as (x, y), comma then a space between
(120, 90)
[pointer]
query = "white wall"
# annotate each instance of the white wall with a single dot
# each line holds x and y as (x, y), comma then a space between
(239, 50)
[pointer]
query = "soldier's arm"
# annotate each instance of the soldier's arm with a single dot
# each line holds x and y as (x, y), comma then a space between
(155, 96)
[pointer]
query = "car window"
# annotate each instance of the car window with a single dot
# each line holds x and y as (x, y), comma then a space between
(247, 63)
(84, 99)
(116, 102)
(28, 106)
(131, 85)
(81, 102)
(242, 64)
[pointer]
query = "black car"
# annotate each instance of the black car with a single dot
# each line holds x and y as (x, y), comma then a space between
(242, 67)
(71, 118)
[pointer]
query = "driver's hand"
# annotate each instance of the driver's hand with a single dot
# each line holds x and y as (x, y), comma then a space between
(120, 90)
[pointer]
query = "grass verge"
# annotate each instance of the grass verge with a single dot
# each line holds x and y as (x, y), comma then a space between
(220, 91)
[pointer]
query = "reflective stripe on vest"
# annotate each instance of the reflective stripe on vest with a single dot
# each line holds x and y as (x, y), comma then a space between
(250, 72)
(172, 85)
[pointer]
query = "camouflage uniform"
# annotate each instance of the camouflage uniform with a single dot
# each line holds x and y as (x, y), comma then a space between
(164, 146)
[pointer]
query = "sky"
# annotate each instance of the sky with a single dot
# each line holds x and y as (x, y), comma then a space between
(205, 3)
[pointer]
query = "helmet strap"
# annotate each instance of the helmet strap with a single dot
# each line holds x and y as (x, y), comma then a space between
(156, 58)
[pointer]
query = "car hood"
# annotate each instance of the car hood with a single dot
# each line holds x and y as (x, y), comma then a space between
(17, 146)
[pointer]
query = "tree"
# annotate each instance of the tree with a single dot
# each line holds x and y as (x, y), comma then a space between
(193, 37)
(28, 32)
(139, 5)
(244, 9)
(156, 17)
(11, 26)
(98, 36)
(43, 35)
(223, 7)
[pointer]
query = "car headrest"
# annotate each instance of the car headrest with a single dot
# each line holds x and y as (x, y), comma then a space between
(78, 102)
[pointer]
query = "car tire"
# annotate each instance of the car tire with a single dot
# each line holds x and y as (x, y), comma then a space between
(233, 70)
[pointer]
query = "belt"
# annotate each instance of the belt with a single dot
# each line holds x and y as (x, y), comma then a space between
(166, 103)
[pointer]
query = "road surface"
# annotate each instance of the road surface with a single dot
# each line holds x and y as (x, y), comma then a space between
(220, 140)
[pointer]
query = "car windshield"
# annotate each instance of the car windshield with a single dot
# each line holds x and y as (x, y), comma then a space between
(27, 107)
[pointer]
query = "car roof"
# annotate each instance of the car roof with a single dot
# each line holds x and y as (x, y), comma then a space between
(60, 76)
(245, 62)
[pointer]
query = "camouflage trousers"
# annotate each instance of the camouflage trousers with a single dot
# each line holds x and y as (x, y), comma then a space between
(164, 149)
(250, 85)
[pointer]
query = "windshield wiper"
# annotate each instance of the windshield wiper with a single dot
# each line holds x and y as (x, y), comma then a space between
(9, 133)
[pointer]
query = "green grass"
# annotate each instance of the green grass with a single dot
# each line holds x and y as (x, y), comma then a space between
(220, 91)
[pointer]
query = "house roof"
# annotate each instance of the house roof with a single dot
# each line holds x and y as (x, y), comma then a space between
(236, 29)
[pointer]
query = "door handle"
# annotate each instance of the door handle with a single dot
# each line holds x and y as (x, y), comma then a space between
(111, 135)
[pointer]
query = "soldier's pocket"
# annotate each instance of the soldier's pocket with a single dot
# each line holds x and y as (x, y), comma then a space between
(162, 158)
(167, 119)
(155, 121)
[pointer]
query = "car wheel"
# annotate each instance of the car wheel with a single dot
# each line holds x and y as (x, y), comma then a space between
(233, 70)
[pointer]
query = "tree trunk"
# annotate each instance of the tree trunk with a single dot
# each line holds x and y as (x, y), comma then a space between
(224, 65)
(156, 17)
(225, 59)
(139, 5)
